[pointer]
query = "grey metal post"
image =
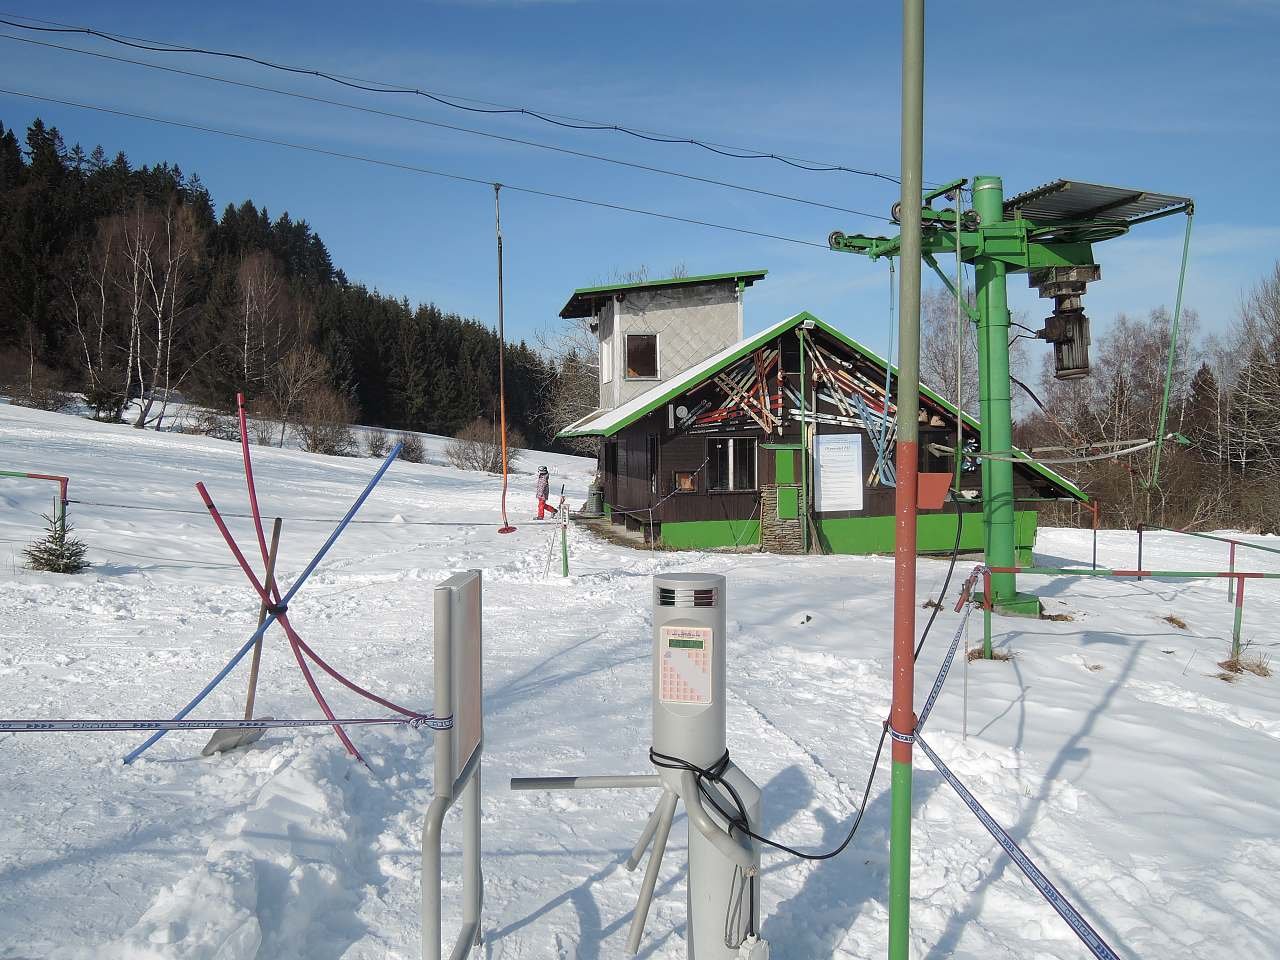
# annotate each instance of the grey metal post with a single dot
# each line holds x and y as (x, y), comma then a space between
(689, 692)
(666, 812)
(457, 622)
(646, 835)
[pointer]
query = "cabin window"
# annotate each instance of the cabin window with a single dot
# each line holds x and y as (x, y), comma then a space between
(642, 356)
(606, 360)
(686, 481)
(731, 463)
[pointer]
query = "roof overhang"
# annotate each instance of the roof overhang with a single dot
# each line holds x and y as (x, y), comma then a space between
(585, 301)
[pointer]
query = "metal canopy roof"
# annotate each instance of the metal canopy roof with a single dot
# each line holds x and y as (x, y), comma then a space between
(1074, 201)
(585, 300)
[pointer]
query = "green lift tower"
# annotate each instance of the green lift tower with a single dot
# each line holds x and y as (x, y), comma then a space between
(1047, 233)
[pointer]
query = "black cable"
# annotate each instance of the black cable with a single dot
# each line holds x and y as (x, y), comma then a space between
(370, 86)
(447, 126)
(951, 569)
(415, 169)
(1023, 326)
(1030, 393)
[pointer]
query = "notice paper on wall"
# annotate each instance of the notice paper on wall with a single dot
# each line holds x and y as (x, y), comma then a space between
(837, 472)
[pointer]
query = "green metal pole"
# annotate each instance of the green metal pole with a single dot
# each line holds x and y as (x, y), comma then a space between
(804, 456)
(1173, 349)
(564, 543)
(902, 714)
(1235, 630)
(996, 406)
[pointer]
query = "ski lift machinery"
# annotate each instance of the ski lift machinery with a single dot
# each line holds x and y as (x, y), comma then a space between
(689, 739)
(1049, 233)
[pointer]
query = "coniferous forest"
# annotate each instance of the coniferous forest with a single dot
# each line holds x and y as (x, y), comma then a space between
(125, 284)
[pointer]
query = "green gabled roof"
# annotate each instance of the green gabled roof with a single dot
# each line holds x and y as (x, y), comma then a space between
(582, 303)
(606, 423)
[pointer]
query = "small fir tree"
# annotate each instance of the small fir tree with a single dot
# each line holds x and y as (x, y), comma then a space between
(57, 551)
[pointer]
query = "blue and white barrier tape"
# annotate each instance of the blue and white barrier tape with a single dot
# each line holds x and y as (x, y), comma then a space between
(109, 726)
(1079, 925)
(946, 668)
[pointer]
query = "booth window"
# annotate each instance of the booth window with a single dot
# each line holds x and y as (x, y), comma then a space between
(686, 481)
(731, 463)
(642, 356)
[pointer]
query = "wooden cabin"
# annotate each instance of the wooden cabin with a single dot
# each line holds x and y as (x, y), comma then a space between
(713, 455)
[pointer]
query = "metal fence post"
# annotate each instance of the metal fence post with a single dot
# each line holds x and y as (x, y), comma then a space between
(455, 662)
(1235, 630)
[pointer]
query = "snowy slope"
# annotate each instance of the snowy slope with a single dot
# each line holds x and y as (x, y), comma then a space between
(1142, 784)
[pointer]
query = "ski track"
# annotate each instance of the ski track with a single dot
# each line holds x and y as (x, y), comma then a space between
(1143, 787)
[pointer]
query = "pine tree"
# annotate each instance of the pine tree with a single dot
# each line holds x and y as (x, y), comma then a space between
(57, 551)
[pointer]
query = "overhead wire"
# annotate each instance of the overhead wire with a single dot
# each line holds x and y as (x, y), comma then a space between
(412, 168)
(456, 102)
(444, 126)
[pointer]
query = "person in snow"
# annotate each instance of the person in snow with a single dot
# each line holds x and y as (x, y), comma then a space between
(542, 491)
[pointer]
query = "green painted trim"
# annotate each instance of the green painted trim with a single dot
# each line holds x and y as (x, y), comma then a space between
(796, 446)
(750, 344)
(788, 503)
(784, 467)
(743, 277)
(709, 534)
(935, 533)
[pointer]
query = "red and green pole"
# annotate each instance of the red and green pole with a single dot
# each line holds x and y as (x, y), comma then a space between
(60, 506)
(902, 719)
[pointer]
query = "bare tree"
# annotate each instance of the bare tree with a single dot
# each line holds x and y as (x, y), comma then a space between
(264, 333)
(325, 423)
(570, 387)
(478, 447)
(169, 277)
(301, 371)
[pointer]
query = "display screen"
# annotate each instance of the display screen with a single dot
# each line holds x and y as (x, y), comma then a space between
(678, 644)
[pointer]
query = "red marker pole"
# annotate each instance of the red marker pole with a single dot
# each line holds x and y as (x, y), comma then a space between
(902, 718)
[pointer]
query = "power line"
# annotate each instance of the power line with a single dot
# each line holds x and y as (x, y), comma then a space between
(448, 100)
(415, 169)
(445, 126)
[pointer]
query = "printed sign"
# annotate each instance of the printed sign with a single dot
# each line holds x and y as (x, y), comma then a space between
(837, 472)
(685, 671)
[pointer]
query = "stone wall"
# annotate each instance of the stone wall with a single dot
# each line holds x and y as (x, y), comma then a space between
(777, 536)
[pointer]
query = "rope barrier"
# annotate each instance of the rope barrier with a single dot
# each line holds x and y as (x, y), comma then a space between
(111, 726)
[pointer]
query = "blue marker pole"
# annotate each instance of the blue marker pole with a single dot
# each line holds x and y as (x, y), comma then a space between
(284, 602)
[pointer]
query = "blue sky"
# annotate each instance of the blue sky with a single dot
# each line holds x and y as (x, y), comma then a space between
(1179, 96)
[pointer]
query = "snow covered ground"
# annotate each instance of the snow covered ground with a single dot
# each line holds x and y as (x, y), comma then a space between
(1144, 785)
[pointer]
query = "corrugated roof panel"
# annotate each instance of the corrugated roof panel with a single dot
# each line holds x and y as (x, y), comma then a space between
(1069, 201)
